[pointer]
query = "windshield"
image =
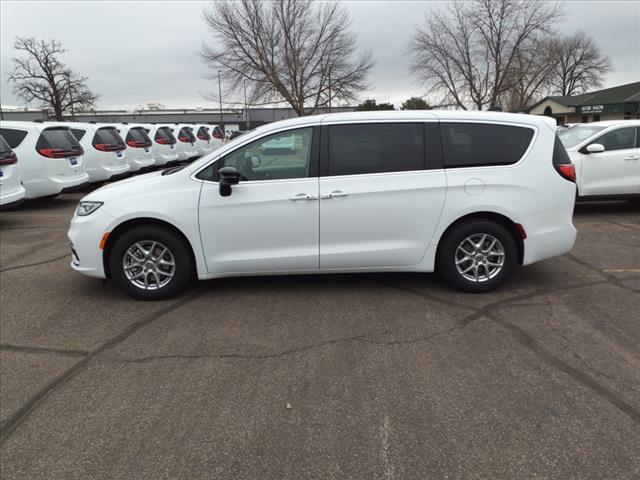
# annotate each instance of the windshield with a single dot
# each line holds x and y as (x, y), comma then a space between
(576, 134)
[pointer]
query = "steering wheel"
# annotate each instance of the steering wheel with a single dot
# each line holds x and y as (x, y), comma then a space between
(246, 170)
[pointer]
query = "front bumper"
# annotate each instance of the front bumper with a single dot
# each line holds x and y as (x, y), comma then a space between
(85, 234)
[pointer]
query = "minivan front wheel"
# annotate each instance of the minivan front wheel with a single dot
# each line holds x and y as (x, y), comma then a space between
(477, 256)
(150, 263)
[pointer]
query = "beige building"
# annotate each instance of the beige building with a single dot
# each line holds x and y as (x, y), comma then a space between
(616, 103)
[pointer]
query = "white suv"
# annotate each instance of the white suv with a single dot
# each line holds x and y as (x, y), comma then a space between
(139, 156)
(606, 156)
(12, 193)
(186, 141)
(164, 150)
(470, 194)
(51, 159)
(104, 150)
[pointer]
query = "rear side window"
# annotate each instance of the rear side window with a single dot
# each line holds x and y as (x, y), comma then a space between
(12, 136)
(560, 155)
(108, 136)
(375, 148)
(138, 136)
(203, 133)
(186, 135)
(478, 144)
(78, 133)
(164, 136)
(58, 138)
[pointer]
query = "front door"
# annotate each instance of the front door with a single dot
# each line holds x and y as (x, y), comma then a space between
(616, 171)
(270, 222)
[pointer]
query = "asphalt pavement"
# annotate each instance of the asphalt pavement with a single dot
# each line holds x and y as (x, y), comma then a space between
(371, 376)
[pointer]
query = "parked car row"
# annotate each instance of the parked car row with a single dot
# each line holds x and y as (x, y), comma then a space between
(45, 159)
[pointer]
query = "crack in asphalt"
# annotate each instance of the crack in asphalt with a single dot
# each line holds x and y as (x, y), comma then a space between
(34, 264)
(12, 423)
(47, 350)
(617, 281)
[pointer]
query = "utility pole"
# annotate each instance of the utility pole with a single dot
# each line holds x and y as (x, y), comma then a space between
(246, 110)
(329, 89)
(220, 99)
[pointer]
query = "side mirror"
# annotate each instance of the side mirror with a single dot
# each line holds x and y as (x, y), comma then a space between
(595, 148)
(228, 176)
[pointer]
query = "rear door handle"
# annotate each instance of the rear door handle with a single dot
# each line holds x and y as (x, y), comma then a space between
(334, 194)
(631, 157)
(303, 196)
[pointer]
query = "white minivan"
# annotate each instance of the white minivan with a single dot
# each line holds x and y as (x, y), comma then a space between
(186, 141)
(51, 159)
(204, 145)
(139, 156)
(606, 156)
(469, 194)
(163, 148)
(104, 150)
(12, 193)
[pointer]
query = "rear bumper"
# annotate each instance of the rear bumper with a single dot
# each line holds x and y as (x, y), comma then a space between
(75, 188)
(53, 186)
(11, 200)
(549, 243)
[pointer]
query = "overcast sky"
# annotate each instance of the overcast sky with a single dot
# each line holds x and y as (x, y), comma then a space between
(137, 52)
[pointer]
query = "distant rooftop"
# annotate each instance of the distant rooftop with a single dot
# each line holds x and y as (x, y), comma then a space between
(629, 92)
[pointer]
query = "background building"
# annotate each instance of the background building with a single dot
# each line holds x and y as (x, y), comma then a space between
(616, 103)
(232, 119)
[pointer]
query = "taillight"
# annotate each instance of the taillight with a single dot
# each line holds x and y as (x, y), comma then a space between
(217, 135)
(134, 144)
(10, 160)
(163, 141)
(184, 139)
(53, 152)
(567, 171)
(107, 147)
(202, 136)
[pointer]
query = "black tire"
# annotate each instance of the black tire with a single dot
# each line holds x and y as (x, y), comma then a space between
(446, 259)
(183, 270)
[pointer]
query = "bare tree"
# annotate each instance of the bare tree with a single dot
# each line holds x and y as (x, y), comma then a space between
(467, 53)
(577, 64)
(299, 51)
(40, 75)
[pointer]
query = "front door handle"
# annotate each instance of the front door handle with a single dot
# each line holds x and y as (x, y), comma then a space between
(303, 196)
(631, 157)
(334, 194)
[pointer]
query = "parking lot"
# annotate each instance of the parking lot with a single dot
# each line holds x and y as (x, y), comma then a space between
(337, 376)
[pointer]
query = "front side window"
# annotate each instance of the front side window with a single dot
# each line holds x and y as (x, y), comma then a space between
(576, 134)
(375, 148)
(483, 144)
(619, 139)
(279, 156)
(12, 136)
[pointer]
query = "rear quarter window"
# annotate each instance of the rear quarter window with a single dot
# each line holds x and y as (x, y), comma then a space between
(483, 144)
(560, 155)
(13, 137)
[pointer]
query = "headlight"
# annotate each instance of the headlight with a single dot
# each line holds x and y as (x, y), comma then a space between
(87, 208)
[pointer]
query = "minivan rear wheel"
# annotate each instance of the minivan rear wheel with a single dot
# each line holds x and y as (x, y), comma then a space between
(150, 263)
(477, 256)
